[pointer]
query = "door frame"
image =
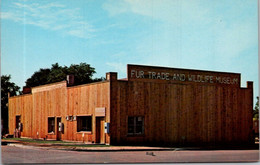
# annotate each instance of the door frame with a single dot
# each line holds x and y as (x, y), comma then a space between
(16, 123)
(58, 135)
(100, 130)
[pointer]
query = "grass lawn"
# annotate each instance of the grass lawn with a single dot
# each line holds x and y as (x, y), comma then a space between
(66, 143)
(59, 143)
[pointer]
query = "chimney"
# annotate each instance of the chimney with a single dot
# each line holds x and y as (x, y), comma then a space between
(249, 84)
(112, 76)
(70, 80)
(26, 90)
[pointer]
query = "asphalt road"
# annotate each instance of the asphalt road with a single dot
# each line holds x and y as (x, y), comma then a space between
(12, 154)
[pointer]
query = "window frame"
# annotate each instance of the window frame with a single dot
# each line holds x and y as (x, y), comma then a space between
(54, 126)
(135, 125)
(91, 123)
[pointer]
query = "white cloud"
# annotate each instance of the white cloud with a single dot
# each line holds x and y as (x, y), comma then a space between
(169, 11)
(114, 9)
(50, 16)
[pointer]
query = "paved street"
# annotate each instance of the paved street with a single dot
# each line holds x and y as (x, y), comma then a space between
(11, 154)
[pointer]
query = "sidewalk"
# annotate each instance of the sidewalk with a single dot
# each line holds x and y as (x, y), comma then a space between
(82, 146)
(79, 146)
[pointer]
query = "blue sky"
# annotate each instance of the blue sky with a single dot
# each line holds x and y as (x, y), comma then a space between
(199, 34)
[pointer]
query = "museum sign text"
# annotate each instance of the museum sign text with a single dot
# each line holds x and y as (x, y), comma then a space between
(183, 76)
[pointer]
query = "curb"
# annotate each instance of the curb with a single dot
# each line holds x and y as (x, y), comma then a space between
(21, 146)
(112, 150)
(79, 149)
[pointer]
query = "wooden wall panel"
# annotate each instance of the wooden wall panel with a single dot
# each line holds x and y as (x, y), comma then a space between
(191, 122)
(11, 111)
(21, 105)
(183, 113)
(249, 113)
(82, 100)
(203, 128)
(50, 102)
(235, 115)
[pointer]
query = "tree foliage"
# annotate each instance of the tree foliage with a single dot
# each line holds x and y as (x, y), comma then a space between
(83, 74)
(256, 109)
(7, 87)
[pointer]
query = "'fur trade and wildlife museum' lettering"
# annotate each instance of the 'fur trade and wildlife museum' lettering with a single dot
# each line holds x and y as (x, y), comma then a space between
(137, 73)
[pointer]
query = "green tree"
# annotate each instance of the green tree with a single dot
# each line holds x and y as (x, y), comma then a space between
(38, 78)
(7, 87)
(57, 73)
(256, 109)
(83, 73)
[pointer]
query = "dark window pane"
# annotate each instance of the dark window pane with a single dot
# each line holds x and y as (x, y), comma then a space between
(51, 125)
(89, 124)
(130, 120)
(131, 129)
(135, 125)
(139, 123)
(84, 123)
(139, 129)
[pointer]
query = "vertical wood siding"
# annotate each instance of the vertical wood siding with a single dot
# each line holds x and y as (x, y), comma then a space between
(83, 100)
(56, 100)
(183, 114)
(173, 113)
(21, 105)
(50, 103)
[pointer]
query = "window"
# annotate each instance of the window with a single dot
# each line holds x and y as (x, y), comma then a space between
(136, 125)
(84, 123)
(51, 124)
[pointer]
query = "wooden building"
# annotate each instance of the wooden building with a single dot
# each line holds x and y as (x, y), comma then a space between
(154, 105)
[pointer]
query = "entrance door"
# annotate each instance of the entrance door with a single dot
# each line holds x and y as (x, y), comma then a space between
(58, 137)
(17, 121)
(100, 132)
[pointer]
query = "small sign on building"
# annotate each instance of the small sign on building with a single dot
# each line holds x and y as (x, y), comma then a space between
(100, 111)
